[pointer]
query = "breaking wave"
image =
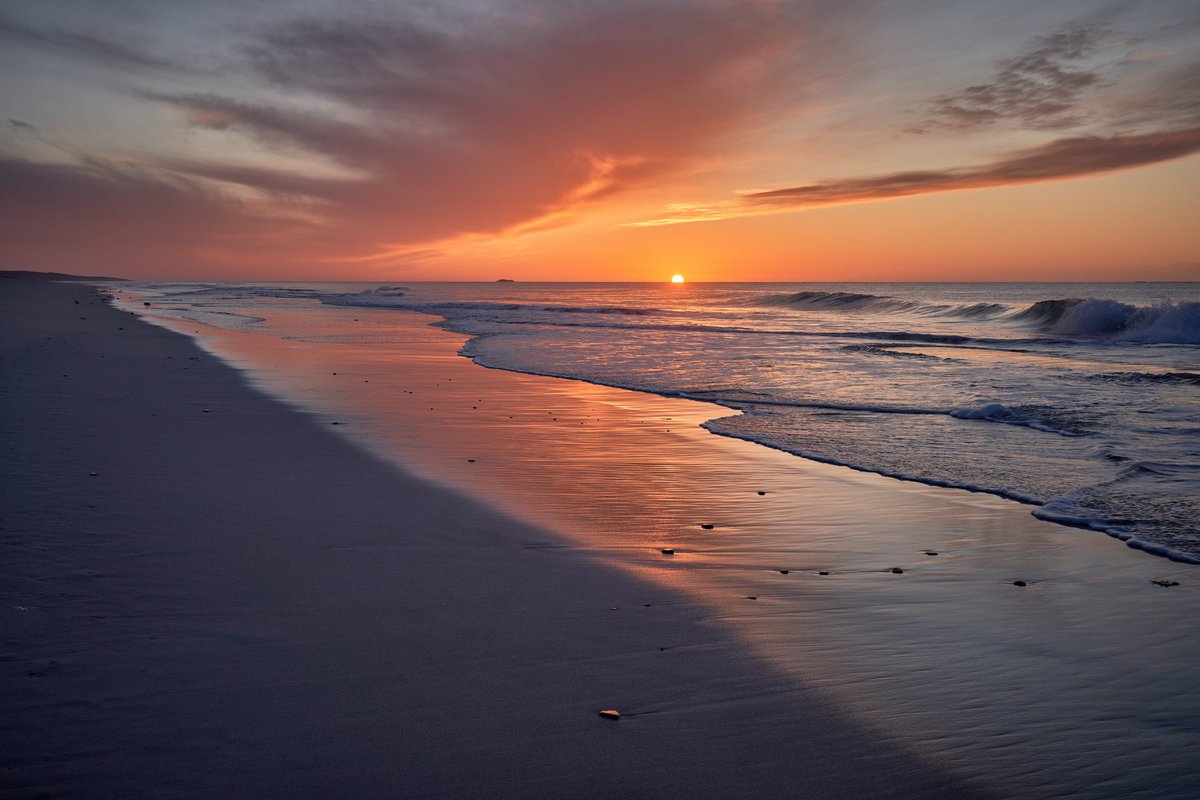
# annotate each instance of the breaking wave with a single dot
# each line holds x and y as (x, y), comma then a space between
(1167, 323)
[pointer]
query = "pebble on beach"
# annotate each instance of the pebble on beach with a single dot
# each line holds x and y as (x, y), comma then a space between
(760, 494)
(610, 713)
(708, 526)
(1022, 584)
(783, 572)
(823, 572)
(1161, 582)
(668, 551)
(897, 571)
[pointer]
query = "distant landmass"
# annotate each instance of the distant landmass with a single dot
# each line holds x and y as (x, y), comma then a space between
(505, 280)
(29, 275)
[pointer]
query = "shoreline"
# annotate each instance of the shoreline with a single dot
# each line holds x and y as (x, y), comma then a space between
(1109, 529)
(238, 602)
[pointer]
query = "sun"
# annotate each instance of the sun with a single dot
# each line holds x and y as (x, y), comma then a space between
(676, 279)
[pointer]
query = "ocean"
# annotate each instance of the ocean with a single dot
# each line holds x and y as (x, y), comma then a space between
(1081, 400)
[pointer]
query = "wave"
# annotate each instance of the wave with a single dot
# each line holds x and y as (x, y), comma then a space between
(1044, 418)
(852, 301)
(1167, 378)
(839, 300)
(1162, 523)
(1167, 323)
(1041, 418)
(977, 311)
(383, 296)
(720, 427)
(876, 350)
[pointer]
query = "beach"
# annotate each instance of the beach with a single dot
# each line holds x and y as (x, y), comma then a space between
(211, 589)
(206, 594)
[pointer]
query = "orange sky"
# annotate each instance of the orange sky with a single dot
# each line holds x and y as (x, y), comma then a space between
(721, 139)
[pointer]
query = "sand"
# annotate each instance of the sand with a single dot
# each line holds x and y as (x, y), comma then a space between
(208, 594)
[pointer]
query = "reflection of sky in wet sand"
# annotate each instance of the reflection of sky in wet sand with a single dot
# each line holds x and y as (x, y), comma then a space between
(1085, 676)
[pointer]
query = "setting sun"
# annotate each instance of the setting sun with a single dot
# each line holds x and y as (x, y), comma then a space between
(676, 279)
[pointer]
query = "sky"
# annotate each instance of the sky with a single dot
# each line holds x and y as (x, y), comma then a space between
(815, 140)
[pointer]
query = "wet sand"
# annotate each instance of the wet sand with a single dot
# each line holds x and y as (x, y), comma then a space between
(206, 593)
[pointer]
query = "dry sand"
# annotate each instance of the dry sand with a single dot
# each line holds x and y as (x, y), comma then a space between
(207, 594)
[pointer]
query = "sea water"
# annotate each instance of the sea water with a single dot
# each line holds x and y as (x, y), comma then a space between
(1082, 400)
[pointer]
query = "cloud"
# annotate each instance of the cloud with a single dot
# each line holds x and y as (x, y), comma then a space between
(121, 216)
(446, 125)
(85, 46)
(1041, 88)
(1060, 159)
(479, 125)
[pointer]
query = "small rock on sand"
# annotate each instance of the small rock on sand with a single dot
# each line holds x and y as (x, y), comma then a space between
(823, 572)
(1022, 584)
(760, 494)
(751, 597)
(897, 571)
(668, 551)
(1163, 583)
(783, 572)
(610, 713)
(708, 526)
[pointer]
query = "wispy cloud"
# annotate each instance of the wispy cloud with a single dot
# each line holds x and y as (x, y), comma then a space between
(1040, 88)
(1155, 117)
(84, 46)
(126, 217)
(1057, 160)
